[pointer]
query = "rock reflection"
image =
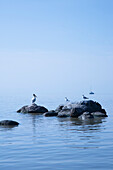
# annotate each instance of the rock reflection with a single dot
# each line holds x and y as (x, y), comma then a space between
(83, 125)
(7, 128)
(83, 134)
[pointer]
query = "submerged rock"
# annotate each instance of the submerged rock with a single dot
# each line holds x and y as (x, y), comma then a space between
(8, 123)
(34, 108)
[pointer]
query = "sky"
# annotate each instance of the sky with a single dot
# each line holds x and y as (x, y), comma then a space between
(56, 47)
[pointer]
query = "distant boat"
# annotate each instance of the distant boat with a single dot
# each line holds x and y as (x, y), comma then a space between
(91, 92)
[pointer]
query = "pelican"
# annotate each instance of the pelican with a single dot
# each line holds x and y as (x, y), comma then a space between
(66, 99)
(84, 97)
(33, 98)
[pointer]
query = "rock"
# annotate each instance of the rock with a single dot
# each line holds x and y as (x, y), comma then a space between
(86, 115)
(59, 108)
(76, 112)
(77, 109)
(34, 108)
(64, 113)
(86, 106)
(51, 113)
(98, 114)
(8, 123)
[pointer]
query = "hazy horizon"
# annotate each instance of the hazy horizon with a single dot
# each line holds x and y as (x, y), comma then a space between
(56, 47)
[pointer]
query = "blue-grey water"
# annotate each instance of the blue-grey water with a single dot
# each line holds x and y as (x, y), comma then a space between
(54, 143)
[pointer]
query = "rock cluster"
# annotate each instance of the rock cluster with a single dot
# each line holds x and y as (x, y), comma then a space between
(84, 110)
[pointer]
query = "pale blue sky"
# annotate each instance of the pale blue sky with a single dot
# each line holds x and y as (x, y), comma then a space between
(56, 46)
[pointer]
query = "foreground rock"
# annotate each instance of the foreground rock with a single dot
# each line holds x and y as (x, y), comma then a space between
(85, 109)
(34, 108)
(9, 123)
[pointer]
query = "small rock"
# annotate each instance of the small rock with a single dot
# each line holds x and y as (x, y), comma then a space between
(8, 123)
(64, 113)
(51, 113)
(99, 114)
(59, 108)
(86, 115)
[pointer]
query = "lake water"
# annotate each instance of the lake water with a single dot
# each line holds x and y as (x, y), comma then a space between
(54, 143)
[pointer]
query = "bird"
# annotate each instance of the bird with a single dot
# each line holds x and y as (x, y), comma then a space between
(84, 97)
(33, 98)
(66, 99)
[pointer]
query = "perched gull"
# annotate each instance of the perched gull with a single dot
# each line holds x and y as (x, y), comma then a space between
(84, 97)
(34, 98)
(66, 99)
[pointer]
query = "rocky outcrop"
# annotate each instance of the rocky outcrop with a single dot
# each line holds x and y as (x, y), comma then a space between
(9, 123)
(34, 108)
(84, 109)
(87, 106)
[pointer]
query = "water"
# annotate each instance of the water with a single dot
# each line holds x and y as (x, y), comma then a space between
(54, 143)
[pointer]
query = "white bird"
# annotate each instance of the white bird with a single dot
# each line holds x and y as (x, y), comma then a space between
(66, 99)
(34, 98)
(84, 97)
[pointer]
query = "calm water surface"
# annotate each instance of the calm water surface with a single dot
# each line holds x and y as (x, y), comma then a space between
(55, 143)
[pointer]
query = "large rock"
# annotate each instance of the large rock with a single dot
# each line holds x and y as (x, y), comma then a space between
(86, 106)
(34, 108)
(8, 123)
(92, 108)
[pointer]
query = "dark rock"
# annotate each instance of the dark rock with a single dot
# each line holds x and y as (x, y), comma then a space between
(64, 113)
(34, 108)
(77, 109)
(86, 115)
(8, 123)
(86, 106)
(51, 113)
(59, 108)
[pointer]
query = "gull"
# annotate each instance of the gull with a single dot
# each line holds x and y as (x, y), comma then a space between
(84, 97)
(33, 98)
(66, 99)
